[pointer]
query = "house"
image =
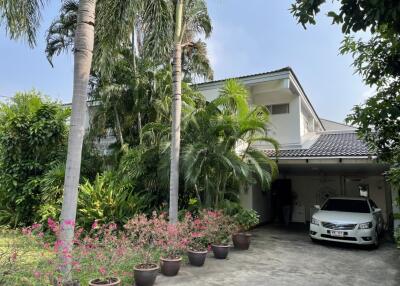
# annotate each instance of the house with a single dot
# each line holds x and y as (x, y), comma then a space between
(318, 158)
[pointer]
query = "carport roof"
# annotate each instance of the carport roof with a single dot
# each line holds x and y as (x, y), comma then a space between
(341, 144)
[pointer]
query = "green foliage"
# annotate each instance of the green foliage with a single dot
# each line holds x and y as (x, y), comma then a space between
(246, 218)
(353, 16)
(397, 236)
(219, 159)
(105, 202)
(21, 18)
(33, 135)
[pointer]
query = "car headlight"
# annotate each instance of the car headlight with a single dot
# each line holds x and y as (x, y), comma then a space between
(314, 221)
(365, 225)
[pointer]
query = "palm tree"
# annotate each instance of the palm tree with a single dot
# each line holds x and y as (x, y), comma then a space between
(218, 156)
(83, 50)
(22, 20)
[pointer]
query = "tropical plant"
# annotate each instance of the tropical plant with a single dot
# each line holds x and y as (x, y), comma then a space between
(33, 137)
(218, 154)
(104, 201)
(245, 219)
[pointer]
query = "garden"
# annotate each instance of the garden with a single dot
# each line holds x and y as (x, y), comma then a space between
(111, 254)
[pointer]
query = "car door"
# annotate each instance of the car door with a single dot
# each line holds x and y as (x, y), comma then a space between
(377, 213)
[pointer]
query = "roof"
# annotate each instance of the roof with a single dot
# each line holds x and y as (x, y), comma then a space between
(340, 144)
(336, 126)
(285, 69)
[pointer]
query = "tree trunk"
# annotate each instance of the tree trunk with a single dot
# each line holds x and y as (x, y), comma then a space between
(176, 115)
(83, 50)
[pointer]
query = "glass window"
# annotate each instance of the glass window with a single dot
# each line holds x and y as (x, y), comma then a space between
(343, 205)
(278, 108)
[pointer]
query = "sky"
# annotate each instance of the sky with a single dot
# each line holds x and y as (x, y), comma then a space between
(248, 37)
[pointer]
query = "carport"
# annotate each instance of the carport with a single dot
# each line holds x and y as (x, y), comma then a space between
(337, 164)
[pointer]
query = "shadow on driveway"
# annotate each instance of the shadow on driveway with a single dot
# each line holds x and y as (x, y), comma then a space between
(281, 256)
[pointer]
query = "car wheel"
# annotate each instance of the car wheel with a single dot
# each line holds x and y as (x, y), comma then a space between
(376, 241)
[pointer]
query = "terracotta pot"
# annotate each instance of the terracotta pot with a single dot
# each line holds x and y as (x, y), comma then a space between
(241, 240)
(220, 251)
(145, 275)
(170, 267)
(112, 281)
(197, 258)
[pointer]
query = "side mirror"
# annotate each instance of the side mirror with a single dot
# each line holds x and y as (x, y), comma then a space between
(376, 210)
(318, 207)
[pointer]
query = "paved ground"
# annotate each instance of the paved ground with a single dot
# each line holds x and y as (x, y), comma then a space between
(282, 257)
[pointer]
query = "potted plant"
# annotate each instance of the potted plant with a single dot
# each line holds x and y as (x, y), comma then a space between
(397, 236)
(244, 220)
(219, 231)
(198, 245)
(173, 241)
(142, 233)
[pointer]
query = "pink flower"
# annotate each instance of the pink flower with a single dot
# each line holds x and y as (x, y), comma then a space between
(36, 274)
(94, 225)
(102, 270)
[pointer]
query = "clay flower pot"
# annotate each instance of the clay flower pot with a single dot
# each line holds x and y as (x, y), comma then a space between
(170, 267)
(241, 240)
(220, 251)
(112, 281)
(145, 274)
(197, 258)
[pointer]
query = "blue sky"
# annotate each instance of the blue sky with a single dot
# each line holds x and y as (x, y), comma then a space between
(248, 37)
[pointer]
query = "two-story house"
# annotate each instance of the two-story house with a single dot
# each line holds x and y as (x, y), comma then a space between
(318, 158)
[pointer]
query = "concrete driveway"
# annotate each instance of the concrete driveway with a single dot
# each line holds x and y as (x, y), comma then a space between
(288, 257)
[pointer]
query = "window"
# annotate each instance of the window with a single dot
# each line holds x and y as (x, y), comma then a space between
(343, 205)
(278, 108)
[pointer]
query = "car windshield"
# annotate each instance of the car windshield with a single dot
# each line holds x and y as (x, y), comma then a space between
(341, 205)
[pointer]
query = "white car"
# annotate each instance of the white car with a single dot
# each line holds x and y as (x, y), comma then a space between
(349, 220)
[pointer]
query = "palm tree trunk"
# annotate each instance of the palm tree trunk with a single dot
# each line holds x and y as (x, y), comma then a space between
(83, 51)
(176, 115)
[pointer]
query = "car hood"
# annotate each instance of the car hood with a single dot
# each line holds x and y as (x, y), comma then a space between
(342, 217)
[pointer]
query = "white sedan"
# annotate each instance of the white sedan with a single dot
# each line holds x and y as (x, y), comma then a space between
(349, 220)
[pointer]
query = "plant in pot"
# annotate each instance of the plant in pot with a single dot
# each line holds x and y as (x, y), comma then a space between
(101, 250)
(219, 231)
(173, 242)
(143, 234)
(198, 245)
(244, 220)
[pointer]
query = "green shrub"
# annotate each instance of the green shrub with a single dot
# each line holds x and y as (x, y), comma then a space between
(397, 236)
(33, 135)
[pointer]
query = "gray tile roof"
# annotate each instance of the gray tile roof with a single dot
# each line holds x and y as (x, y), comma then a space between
(345, 144)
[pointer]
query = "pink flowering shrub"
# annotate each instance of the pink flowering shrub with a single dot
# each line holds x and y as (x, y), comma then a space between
(219, 227)
(198, 235)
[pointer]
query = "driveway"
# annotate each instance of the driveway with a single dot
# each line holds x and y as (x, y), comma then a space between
(287, 257)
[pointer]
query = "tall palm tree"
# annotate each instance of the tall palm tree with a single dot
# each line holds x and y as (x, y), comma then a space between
(83, 50)
(22, 20)
(176, 114)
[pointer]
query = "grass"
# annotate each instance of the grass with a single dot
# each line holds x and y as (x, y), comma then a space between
(33, 266)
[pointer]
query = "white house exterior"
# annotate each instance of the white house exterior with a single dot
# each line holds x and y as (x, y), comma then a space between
(319, 157)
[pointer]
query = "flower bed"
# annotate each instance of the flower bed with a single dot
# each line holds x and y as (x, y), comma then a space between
(29, 256)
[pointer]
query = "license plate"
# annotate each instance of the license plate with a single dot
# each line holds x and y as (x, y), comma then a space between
(337, 233)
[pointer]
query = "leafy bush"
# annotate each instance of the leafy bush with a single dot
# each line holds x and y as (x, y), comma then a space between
(33, 135)
(397, 236)
(246, 218)
(104, 201)
(219, 226)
